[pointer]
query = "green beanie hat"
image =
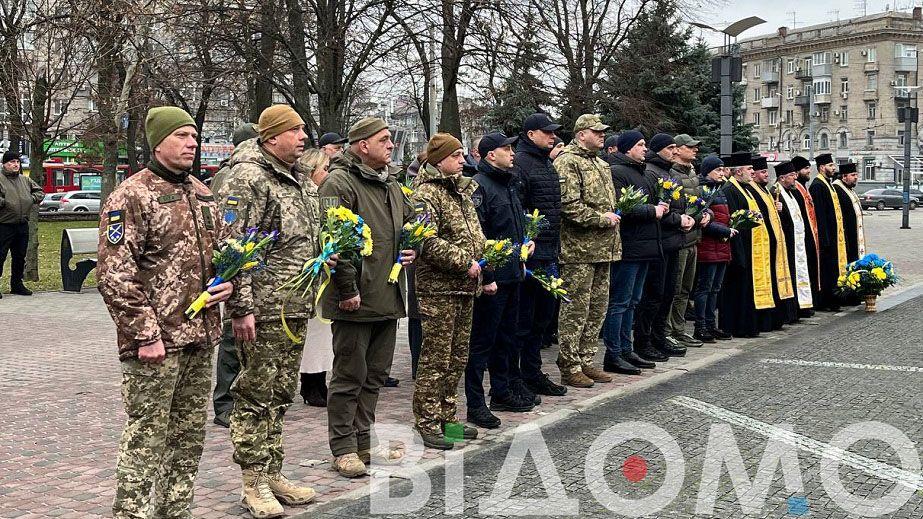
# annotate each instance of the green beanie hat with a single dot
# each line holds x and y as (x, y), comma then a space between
(162, 121)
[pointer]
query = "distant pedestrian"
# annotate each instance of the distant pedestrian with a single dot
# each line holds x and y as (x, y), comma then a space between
(331, 143)
(18, 193)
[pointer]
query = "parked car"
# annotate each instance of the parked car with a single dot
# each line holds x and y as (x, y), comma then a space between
(80, 202)
(916, 193)
(51, 202)
(884, 198)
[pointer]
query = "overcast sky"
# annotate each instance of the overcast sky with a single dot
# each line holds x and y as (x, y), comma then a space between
(778, 13)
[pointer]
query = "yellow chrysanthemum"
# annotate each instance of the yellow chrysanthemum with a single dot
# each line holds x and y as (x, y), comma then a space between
(407, 191)
(498, 246)
(676, 195)
(879, 273)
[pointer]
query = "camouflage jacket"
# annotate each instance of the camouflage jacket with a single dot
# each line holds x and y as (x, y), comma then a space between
(157, 232)
(378, 199)
(446, 257)
(586, 193)
(262, 192)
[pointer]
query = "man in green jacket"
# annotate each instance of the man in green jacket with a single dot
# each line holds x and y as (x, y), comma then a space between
(18, 193)
(363, 306)
(589, 243)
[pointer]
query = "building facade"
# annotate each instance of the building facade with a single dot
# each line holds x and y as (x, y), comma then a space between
(837, 88)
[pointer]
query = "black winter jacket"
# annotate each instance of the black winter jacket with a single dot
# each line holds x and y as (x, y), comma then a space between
(540, 188)
(672, 236)
(500, 213)
(639, 229)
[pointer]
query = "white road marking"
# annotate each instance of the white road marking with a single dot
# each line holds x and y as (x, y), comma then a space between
(821, 364)
(818, 448)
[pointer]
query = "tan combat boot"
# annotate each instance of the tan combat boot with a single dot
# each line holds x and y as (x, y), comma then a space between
(576, 379)
(288, 492)
(596, 374)
(382, 455)
(257, 496)
(349, 465)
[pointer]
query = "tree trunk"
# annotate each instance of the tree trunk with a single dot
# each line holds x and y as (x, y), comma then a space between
(109, 88)
(131, 140)
(36, 172)
(262, 96)
(331, 63)
(301, 84)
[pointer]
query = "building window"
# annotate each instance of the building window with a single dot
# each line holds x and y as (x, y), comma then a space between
(821, 58)
(790, 93)
(870, 55)
(872, 108)
(757, 68)
(756, 118)
(843, 114)
(787, 144)
(806, 142)
(59, 107)
(844, 59)
(822, 87)
(791, 66)
(868, 168)
(773, 118)
(905, 50)
(91, 105)
(824, 141)
(871, 82)
(824, 114)
(757, 94)
(743, 71)
(844, 141)
(900, 138)
(772, 143)
(844, 85)
(789, 116)
(869, 137)
(807, 64)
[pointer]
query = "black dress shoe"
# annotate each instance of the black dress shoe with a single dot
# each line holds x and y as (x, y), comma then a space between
(705, 336)
(392, 382)
(620, 365)
(545, 386)
(671, 348)
(651, 355)
(482, 417)
(222, 420)
(20, 291)
(721, 335)
(633, 358)
(687, 340)
(511, 403)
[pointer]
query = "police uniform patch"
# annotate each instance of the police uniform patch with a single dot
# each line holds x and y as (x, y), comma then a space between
(476, 199)
(115, 230)
(326, 202)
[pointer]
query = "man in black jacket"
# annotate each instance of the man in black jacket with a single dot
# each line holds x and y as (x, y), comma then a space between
(540, 188)
(650, 324)
(640, 233)
(496, 310)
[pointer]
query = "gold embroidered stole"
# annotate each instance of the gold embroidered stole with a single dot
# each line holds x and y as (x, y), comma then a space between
(840, 235)
(759, 255)
(802, 281)
(857, 208)
(783, 275)
(812, 220)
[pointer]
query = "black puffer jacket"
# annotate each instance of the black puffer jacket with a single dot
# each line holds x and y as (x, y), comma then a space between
(672, 236)
(640, 229)
(500, 213)
(540, 188)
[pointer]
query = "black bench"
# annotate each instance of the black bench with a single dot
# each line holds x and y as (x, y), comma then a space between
(77, 241)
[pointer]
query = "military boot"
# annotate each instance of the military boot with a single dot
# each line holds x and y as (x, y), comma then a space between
(349, 465)
(596, 374)
(257, 496)
(576, 379)
(288, 492)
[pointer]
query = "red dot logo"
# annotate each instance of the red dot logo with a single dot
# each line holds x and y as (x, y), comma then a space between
(634, 468)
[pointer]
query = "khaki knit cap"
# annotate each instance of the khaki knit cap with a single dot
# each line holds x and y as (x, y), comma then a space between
(441, 146)
(365, 128)
(161, 121)
(277, 119)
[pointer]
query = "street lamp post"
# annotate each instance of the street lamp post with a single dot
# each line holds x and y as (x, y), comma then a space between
(909, 114)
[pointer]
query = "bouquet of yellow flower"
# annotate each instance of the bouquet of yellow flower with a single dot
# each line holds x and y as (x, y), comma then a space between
(867, 276)
(344, 234)
(496, 253)
(534, 224)
(412, 235)
(550, 283)
(629, 198)
(695, 205)
(743, 219)
(235, 256)
(668, 190)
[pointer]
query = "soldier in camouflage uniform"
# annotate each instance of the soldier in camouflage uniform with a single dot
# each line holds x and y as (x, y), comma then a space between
(265, 191)
(157, 233)
(447, 280)
(589, 242)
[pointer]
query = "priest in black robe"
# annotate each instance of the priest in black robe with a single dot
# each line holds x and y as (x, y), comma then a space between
(832, 250)
(806, 203)
(736, 308)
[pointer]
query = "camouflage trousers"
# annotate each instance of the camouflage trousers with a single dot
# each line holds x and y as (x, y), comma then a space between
(163, 437)
(443, 357)
(264, 390)
(580, 320)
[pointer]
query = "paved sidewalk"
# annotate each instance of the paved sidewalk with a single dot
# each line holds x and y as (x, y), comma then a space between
(60, 378)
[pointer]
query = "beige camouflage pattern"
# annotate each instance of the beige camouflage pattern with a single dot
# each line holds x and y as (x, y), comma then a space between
(163, 437)
(581, 320)
(262, 192)
(587, 193)
(265, 388)
(159, 263)
(445, 259)
(446, 332)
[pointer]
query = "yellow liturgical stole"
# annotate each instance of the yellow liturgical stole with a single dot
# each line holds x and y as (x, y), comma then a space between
(783, 275)
(840, 234)
(759, 253)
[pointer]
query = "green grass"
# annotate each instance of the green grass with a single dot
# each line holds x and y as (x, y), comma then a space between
(49, 258)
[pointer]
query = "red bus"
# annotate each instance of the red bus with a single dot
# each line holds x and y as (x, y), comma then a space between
(60, 177)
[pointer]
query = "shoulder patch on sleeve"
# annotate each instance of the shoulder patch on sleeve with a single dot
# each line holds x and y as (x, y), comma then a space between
(477, 198)
(326, 202)
(232, 201)
(115, 216)
(115, 230)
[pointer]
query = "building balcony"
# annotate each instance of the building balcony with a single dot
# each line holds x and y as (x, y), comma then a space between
(822, 99)
(803, 100)
(870, 95)
(822, 70)
(770, 102)
(904, 64)
(769, 76)
(803, 74)
(901, 94)
(871, 67)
